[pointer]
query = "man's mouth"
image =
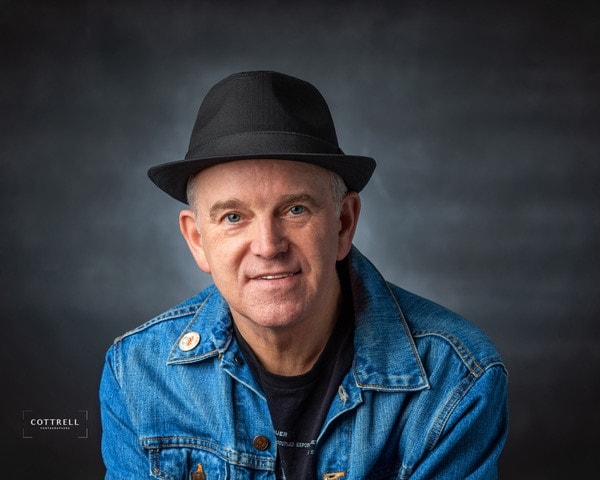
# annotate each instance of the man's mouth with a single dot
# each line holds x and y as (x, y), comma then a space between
(276, 276)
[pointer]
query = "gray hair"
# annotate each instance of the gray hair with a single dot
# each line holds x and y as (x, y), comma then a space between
(339, 191)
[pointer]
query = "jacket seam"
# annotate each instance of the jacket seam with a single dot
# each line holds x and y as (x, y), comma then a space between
(459, 394)
(182, 310)
(170, 315)
(118, 368)
(475, 368)
(227, 455)
(410, 338)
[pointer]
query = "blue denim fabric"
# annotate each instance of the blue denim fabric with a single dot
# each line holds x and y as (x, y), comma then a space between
(426, 397)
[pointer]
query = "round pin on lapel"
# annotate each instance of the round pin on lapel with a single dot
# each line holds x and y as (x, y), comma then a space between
(189, 341)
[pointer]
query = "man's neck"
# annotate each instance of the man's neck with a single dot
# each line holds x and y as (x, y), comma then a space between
(290, 351)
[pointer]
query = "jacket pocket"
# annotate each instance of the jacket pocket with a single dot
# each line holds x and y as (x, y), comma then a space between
(181, 463)
(178, 457)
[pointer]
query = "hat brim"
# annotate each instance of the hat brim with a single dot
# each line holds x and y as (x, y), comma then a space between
(173, 177)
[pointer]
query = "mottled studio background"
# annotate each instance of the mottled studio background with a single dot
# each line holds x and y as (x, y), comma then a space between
(484, 118)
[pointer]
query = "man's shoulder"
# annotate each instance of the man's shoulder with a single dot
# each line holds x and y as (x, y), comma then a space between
(385, 306)
(430, 321)
(173, 320)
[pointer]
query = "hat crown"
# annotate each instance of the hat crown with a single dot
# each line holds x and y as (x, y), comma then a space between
(271, 103)
(262, 115)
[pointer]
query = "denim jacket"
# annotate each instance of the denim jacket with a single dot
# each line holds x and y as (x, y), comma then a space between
(425, 398)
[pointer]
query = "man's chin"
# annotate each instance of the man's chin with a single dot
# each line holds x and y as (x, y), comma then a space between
(278, 319)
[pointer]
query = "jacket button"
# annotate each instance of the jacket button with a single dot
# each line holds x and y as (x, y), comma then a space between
(260, 442)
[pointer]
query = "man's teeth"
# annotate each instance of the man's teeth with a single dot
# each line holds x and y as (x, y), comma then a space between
(275, 277)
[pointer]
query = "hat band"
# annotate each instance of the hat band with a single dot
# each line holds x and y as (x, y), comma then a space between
(262, 143)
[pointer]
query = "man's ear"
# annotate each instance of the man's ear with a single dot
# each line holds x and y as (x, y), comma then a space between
(191, 234)
(348, 221)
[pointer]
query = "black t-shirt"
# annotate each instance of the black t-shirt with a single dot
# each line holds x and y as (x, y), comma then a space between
(299, 404)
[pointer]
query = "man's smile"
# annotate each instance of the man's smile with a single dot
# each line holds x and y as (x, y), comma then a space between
(275, 276)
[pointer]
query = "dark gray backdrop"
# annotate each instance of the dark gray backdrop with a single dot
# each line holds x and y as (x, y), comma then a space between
(484, 119)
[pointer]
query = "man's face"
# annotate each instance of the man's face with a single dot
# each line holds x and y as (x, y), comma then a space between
(268, 233)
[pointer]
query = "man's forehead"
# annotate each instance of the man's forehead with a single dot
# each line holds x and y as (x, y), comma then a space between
(249, 175)
(258, 181)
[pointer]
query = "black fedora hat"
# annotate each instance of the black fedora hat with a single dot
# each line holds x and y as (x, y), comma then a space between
(262, 115)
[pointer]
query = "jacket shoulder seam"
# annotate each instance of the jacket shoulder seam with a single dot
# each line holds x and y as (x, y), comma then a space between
(172, 314)
(475, 367)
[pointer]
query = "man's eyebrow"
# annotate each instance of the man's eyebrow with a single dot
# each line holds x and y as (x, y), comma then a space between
(299, 198)
(231, 204)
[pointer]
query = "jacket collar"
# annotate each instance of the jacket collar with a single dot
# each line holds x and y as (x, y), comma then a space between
(385, 354)
(382, 362)
(211, 323)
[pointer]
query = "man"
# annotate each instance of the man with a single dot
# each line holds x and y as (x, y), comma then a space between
(301, 361)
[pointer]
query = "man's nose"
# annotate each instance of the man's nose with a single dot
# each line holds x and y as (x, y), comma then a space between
(268, 238)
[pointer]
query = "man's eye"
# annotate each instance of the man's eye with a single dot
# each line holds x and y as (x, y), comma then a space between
(233, 217)
(297, 210)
